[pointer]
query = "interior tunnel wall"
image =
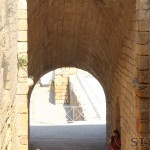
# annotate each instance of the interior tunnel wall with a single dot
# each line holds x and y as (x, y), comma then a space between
(128, 101)
(79, 34)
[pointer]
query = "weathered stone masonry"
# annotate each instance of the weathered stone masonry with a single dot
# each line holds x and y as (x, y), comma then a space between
(95, 36)
(8, 73)
(132, 79)
(61, 84)
(13, 87)
(22, 91)
(109, 39)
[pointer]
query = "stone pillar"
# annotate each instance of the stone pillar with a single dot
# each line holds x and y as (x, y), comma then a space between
(61, 85)
(143, 67)
(22, 91)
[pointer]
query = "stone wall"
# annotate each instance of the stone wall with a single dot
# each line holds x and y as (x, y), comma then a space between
(128, 102)
(13, 75)
(8, 73)
(109, 39)
(91, 35)
(23, 81)
(61, 84)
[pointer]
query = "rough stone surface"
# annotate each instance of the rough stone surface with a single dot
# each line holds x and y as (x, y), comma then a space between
(109, 39)
(8, 73)
(61, 83)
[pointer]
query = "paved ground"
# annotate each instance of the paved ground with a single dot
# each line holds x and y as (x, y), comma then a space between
(68, 137)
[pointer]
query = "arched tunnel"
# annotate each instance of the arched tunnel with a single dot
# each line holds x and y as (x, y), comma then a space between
(105, 38)
(87, 34)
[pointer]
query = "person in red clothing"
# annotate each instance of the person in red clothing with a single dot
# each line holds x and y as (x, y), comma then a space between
(115, 141)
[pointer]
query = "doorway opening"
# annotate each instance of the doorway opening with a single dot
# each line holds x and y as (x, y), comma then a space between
(67, 111)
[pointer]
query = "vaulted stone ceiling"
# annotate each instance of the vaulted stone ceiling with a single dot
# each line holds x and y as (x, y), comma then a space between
(86, 34)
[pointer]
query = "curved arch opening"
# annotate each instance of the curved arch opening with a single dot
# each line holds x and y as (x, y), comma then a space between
(71, 101)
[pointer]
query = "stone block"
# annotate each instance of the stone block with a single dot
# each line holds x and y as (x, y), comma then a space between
(142, 62)
(22, 120)
(22, 36)
(58, 83)
(64, 84)
(23, 140)
(22, 108)
(143, 25)
(22, 25)
(142, 90)
(144, 126)
(58, 87)
(142, 14)
(22, 88)
(64, 87)
(143, 38)
(22, 80)
(144, 114)
(58, 91)
(22, 130)
(21, 98)
(22, 147)
(143, 103)
(22, 14)
(143, 76)
(22, 73)
(142, 49)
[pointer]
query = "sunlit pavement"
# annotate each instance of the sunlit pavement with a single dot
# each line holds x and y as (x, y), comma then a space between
(42, 108)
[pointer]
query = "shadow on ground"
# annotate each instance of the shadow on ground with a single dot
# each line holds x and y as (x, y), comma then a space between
(68, 137)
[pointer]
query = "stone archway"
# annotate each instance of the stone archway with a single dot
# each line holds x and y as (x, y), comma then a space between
(108, 39)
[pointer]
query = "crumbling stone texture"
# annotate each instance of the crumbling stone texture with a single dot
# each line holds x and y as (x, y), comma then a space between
(8, 73)
(22, 121)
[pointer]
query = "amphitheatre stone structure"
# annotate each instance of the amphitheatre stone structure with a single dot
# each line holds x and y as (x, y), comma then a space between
(108, 38)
